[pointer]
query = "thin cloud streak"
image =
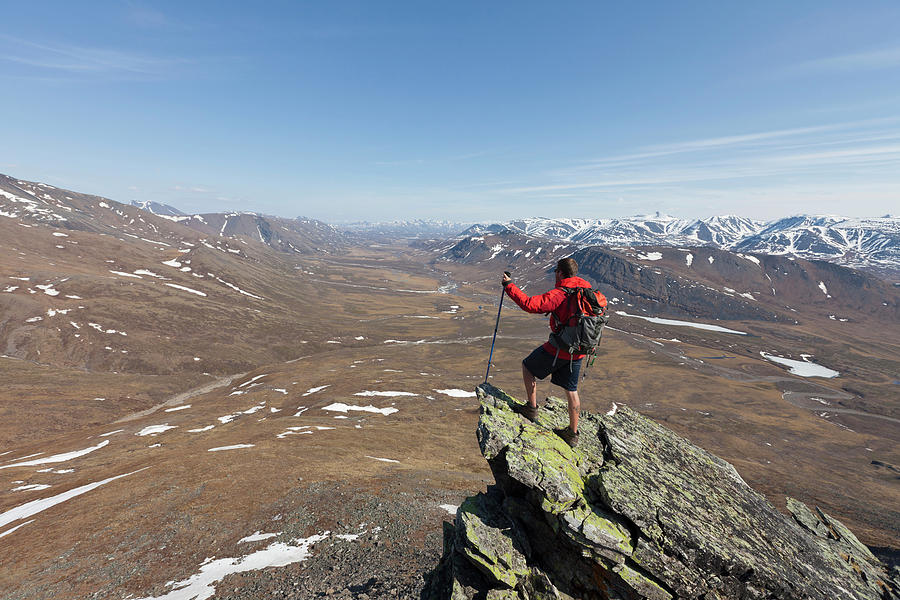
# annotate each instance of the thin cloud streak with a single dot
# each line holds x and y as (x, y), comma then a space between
(854, 155)
(885, 58)
(85, 60)
(743, 140)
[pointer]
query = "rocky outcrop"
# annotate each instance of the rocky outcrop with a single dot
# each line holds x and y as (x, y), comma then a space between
(634, 512)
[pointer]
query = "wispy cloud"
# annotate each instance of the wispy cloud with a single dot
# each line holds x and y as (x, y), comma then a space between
(46, 60)
(197, 189)
(884, 58)
(850, 150)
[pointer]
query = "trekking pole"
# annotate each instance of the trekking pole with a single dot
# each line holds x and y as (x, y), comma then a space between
(496, 327)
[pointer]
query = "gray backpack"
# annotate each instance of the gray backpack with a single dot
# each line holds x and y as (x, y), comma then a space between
(582, 331)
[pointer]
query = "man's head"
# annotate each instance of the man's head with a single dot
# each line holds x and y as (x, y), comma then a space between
(565, 268)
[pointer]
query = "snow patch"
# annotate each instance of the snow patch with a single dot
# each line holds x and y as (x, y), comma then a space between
(56, 458)
(201, 585)
(186, 289)
(257, 537)
(387, 460)
(234, 447)
(32, 487)
(35, 506)
(456, 393)
(803, 368)
(201, 429)
(341, 407)
(315, 389)
(155, 429)
(677, 323)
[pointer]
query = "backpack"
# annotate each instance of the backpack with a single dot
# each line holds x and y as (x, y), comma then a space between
(581, 332)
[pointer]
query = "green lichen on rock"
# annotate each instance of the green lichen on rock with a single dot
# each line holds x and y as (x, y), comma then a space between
(488, 543)
(634, 512)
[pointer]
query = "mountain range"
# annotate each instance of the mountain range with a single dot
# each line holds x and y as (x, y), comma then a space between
(871, 244)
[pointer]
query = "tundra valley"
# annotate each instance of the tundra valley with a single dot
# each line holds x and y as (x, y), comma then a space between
(243, 406)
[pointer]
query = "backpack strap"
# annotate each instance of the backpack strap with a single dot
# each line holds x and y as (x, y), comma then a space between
(568, 292)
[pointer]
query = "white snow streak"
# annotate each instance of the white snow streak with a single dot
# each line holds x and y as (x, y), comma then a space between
(234, 447)
(315, 389)
(35, 506)
(57, 457)
(341, 407)
(154, 429)
(387, 460)
(456, 393)
(682, 323)
(186, 289)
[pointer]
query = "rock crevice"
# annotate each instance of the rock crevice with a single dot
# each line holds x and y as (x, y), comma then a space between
(634, 512)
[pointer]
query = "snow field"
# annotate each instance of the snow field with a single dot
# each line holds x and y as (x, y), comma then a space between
(803, 368)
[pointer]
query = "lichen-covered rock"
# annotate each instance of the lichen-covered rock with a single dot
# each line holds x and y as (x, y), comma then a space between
(634, 512)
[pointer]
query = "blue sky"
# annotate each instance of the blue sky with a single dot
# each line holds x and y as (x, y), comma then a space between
(461, 111)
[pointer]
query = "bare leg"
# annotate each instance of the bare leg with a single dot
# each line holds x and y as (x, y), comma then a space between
(530, 386)
(574, 410)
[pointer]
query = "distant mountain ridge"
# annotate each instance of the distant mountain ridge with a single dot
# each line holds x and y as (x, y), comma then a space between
(34, 203)
(414, 228)
(867, 243)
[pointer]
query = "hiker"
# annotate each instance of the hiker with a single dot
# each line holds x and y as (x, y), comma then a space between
(548, 359)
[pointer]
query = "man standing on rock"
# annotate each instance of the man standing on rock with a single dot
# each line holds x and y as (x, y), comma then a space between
(547, 359)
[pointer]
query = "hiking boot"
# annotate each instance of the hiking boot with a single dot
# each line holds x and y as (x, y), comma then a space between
(570, 437)
(527, 411)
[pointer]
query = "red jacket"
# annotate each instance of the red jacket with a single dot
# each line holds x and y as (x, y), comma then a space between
(553, 302)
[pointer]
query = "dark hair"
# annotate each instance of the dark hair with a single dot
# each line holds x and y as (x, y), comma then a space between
(567, 267)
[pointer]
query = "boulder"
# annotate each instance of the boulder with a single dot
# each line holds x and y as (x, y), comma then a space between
(634, 512)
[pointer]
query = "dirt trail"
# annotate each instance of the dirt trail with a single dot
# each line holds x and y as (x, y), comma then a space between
(182, 397)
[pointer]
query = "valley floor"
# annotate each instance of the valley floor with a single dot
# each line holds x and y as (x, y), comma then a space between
(329, 473)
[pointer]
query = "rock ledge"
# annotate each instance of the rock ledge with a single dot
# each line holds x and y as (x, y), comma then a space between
(635, 512)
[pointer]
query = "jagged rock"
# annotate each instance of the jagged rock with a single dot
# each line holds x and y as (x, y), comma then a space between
(634, 512)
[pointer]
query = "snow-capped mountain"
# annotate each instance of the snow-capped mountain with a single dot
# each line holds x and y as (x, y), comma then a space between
(860, 243)
(722, 231)
(157, 208)
(872, 243)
